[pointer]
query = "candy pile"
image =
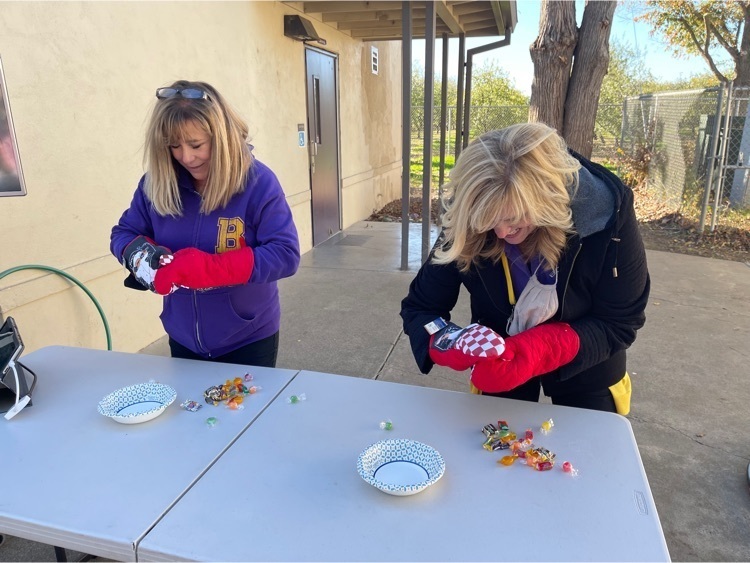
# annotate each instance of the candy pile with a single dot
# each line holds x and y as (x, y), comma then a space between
(232, 392)
(501, 437)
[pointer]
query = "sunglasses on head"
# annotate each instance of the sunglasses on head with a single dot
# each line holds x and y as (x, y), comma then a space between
(189, 93)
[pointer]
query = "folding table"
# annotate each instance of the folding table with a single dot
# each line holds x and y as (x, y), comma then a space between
(290, 490)
(76, 479)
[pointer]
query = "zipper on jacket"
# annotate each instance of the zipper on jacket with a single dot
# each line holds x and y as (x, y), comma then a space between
(616, 240)
(195, 292)
(197, 324)
(567, 282)
(617, 252)
(489, 293)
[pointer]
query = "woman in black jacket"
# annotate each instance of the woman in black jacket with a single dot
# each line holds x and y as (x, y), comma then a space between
(547, 245)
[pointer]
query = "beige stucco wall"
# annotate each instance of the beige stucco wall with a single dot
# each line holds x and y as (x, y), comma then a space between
(81, 77)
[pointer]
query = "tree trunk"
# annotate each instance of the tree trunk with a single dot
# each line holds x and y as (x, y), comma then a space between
(552, 54)
(739, 195)
(591, 59)
(743, 64)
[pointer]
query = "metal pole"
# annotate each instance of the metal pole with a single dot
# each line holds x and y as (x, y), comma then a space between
(405, 129)
(470, 56)
(623, 127)
(443, 115)
(467, 102)
(723, 162)
(460, 93)
(712, 160)
(429, 103)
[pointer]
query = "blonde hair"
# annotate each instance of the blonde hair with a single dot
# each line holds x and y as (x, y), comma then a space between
(230, 156)
(521, 173)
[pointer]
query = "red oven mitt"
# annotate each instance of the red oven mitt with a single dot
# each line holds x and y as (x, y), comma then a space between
(460, 348)
(195, 269)
(533, 352)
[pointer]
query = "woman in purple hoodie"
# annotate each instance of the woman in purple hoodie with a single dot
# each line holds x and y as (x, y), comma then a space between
(208, 228)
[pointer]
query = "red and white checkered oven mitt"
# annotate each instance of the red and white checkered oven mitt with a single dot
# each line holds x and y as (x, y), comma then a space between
(460, 348)
(480, 341)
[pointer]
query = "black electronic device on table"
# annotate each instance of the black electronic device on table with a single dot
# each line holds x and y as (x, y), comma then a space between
(15, 393)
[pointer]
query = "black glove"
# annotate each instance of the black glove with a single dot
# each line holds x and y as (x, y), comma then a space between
(143, 257)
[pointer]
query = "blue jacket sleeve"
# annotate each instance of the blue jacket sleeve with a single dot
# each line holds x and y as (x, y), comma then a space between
(276, 250)
(135, 221)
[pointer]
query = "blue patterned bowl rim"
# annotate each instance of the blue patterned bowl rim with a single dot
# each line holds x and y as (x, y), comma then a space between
(386, 451)
(112, 404)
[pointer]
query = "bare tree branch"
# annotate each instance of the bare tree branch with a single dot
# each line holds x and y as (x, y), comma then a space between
(712, 28)
(703, 48)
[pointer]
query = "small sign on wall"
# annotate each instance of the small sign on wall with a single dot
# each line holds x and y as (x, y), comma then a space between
(301, 135)
(374, 59)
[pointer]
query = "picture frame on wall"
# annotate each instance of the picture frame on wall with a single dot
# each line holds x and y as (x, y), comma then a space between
(11, 176)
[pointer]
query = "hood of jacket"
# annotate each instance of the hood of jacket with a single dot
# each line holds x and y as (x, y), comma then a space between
(597, 199)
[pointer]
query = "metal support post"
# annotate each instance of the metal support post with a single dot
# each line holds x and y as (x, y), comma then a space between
(429, 104)
(712, 159)
(405, 129)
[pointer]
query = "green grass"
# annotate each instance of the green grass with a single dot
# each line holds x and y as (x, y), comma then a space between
(416, 167)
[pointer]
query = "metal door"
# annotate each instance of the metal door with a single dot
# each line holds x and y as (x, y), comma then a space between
(323, 135)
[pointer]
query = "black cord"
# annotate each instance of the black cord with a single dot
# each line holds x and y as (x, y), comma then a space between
(33, 383)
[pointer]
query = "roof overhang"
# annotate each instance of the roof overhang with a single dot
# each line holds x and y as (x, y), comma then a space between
(381, 21)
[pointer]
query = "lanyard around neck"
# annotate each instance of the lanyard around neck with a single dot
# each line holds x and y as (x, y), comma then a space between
(508, 279)
(511, 298)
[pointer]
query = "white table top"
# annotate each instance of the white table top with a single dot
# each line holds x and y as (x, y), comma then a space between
(76, 479)
(292, 491)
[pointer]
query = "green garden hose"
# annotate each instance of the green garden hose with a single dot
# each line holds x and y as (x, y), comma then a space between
(72, 279)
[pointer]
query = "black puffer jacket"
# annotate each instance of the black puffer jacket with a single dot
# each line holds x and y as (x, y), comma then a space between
(603, 287)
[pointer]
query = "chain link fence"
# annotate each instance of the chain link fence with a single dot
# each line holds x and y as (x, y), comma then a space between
(728, 157)
(487, 118)
(697, 143)
(482, 119)
(670, 133)
(686, 152)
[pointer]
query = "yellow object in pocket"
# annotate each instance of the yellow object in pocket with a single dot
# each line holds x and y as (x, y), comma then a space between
(621, 392)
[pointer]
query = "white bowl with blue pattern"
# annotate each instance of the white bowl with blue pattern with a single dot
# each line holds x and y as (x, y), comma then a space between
(137, 403)
(400, 467)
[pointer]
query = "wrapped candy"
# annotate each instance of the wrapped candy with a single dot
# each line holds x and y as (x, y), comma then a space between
(235, 402)
(386, 425)
(567, 467)
(540, 459)
(498, 438)
(508, 459)
(191, 406)
(294, 399)
(547, 426)
(215, 394)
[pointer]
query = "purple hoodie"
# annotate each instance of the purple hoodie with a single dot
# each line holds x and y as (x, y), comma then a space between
(217, 321)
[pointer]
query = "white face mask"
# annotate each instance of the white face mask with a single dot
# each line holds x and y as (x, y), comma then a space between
(536, 304)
